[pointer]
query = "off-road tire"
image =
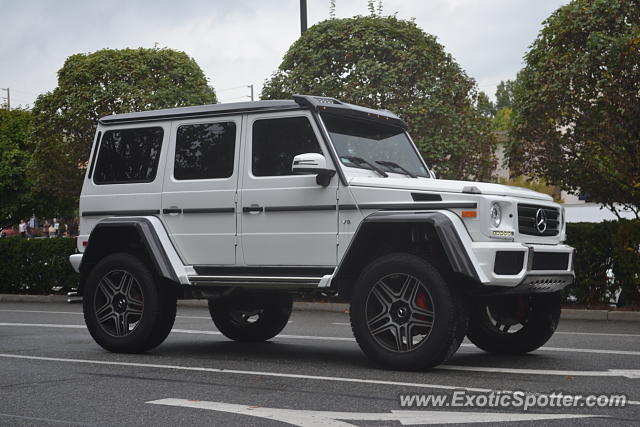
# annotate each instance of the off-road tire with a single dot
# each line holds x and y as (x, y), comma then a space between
(449, 320)
(541, 320)
(158, 312)
(270, 313)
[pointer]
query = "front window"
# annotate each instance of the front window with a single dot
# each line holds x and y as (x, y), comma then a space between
(369, 145)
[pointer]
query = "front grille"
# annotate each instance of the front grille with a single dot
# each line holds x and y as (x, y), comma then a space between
(529, 217)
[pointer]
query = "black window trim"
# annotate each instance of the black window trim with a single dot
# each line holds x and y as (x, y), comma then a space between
(317, 131)
(137, 181)
(96, 146)
(236, 143)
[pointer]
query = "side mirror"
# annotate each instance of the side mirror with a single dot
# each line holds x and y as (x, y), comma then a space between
(310, 164)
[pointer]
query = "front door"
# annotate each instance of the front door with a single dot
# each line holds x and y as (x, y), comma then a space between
(286, 219)
(199, 195)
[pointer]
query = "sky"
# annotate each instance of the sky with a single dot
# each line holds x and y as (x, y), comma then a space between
(242, 42)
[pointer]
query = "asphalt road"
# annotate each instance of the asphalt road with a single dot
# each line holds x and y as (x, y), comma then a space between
(313, 374)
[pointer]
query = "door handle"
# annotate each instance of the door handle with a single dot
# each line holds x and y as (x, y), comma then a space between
(172, 210)
(253, 209)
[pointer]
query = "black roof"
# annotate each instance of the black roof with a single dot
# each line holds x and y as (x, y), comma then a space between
(299, 102)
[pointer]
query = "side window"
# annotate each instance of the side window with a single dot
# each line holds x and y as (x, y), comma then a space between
(205, 151)
(277, 141)
(128, 156)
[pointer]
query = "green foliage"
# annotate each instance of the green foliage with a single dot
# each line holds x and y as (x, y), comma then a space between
(385, 62)
(609, 245)
(36, 266)
(502, 120)
(532, 184)
(576, 103)
(16, 197)
(504, 94)
(485, 106)
(94, 85)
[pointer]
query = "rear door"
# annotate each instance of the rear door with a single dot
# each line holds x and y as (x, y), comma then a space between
(199, 194)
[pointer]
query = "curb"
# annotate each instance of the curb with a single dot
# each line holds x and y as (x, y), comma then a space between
(333, 307)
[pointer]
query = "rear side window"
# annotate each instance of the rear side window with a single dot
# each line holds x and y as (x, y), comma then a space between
(129, 156)
(277, 141)
(205, 151)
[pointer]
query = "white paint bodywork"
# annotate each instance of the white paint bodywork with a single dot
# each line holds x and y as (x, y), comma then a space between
(292, 237)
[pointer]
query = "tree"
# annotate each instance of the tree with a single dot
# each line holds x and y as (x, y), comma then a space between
(385, 62)
(485, 106)
(504, 94)
(576, 103)
(94, 85)
(15, 192)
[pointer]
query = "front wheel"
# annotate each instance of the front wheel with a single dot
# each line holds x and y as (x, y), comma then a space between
(251, 317)
(404, 315)
(514, 324)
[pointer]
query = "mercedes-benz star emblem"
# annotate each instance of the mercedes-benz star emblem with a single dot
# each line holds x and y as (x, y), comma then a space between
(541, 221)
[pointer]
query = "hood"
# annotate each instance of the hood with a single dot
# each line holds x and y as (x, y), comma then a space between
(447, 186)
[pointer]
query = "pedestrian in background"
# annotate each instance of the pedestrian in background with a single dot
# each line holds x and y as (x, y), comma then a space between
(52, 230)
(45, 228)
(56, 226)
(22, 228)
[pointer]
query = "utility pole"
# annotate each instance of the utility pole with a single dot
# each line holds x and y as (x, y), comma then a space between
(8, 98)
(303, 16)
(251, 87)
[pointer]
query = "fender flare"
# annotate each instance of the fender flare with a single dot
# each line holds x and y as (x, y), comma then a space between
(452, 244)
(147, 235)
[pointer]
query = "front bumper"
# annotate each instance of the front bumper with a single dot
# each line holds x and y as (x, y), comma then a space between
(75, 261)
(524, 267)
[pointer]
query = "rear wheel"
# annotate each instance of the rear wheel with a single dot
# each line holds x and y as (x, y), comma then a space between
(251, 316)
(123, 308)
(514, 324)
(404, 315)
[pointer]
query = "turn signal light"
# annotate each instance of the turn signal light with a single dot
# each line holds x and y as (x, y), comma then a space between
(469, 214)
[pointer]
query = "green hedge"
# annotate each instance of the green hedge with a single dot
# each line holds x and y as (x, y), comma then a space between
(39, 266)
(601, 247)
(36, 266)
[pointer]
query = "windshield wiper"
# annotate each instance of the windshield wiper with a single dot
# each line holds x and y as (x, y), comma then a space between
(394, 165)
(361, 161)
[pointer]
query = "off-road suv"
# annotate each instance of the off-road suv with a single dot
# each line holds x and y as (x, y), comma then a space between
(250, 204)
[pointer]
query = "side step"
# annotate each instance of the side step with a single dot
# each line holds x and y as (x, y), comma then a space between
(295, 282)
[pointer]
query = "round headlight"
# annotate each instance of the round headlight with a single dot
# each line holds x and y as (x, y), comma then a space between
(496, 215)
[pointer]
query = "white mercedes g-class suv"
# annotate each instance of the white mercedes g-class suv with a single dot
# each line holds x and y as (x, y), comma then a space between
(249, 204)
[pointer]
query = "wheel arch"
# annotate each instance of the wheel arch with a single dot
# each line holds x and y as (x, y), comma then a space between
(431, 235)
(137, 236)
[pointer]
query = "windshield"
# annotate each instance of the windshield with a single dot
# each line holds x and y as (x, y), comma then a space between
(369, 145)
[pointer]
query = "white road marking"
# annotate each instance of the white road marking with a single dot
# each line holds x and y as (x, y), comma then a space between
(306, 418)
(45, 420)
(244, 372)
(332, 323)
(628, 373)
(260, 373)
(601, 334)
(80, 313)
(342, 339)
(578, 350)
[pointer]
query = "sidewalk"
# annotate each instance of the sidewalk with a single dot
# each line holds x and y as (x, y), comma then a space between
(567, 313)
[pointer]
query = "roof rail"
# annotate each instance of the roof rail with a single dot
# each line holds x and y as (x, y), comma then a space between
(314, 101)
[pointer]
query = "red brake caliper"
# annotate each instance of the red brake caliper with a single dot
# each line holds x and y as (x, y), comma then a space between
(421, 301)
